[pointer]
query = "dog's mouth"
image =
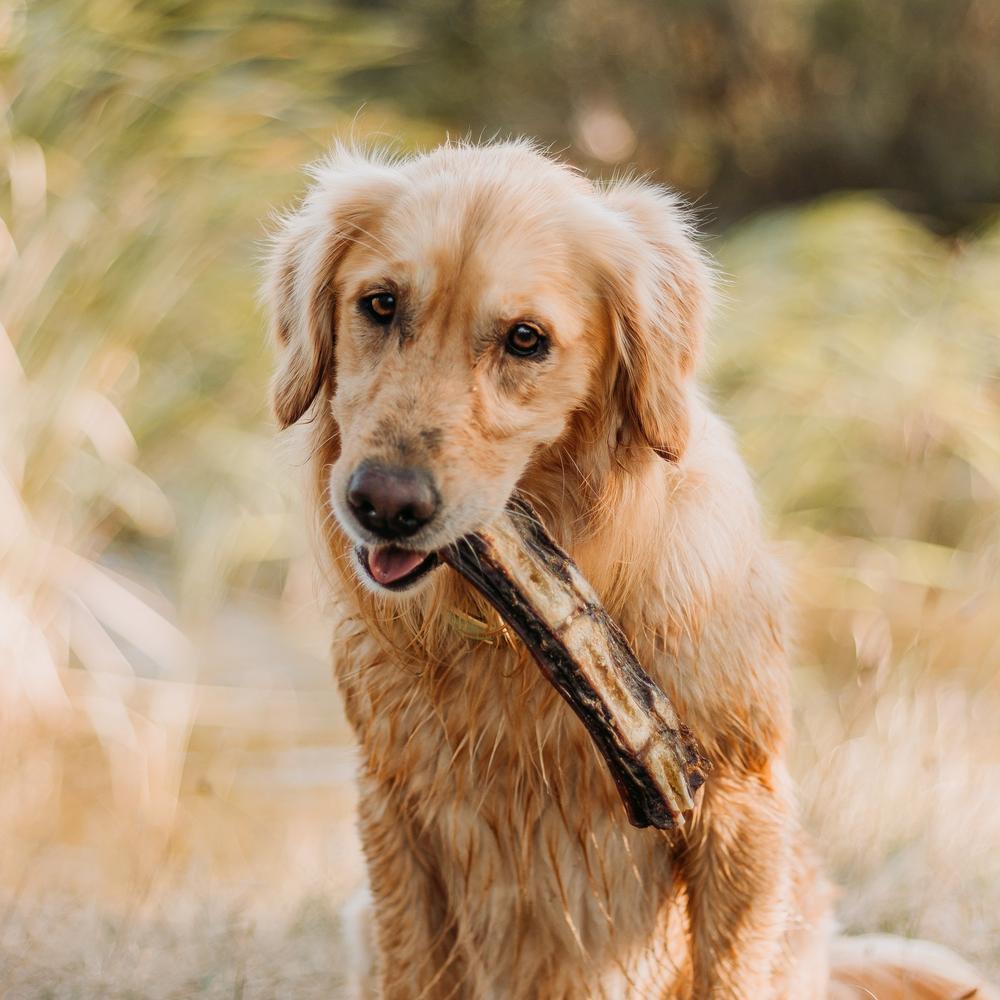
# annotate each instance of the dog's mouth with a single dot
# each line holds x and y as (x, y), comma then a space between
(395, 568)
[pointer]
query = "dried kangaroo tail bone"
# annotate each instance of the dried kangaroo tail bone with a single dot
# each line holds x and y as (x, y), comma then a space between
(538, 590)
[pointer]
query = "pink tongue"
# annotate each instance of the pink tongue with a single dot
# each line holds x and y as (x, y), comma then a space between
(390, 564)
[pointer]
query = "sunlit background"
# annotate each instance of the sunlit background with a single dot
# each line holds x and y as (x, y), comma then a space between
(176, 808)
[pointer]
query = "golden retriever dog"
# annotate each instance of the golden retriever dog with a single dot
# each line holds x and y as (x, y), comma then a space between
(450, 327)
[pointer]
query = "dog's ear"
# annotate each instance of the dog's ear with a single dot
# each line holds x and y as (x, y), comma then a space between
(348, 192)
(659, 287)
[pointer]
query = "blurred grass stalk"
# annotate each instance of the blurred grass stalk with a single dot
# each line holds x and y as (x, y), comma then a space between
(68, 468)
(130, 426)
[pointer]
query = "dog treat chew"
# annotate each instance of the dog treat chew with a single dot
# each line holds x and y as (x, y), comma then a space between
(539, 592)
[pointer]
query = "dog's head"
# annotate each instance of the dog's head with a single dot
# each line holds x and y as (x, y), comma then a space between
(455, 314)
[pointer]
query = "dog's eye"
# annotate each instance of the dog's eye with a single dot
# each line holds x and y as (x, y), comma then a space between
(525, 340)
(381, 307)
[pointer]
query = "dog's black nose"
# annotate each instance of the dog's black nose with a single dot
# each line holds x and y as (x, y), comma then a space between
(390, 501)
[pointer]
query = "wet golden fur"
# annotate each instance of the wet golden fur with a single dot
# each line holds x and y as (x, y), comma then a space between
(499, 858)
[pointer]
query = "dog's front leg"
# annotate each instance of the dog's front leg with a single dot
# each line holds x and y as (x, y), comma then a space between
(737, 865)
(416, 946)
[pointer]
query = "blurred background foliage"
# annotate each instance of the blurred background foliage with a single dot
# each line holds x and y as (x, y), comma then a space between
(744, 103)
(175, 794)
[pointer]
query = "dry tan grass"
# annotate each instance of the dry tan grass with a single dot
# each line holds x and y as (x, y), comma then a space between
(236, 892)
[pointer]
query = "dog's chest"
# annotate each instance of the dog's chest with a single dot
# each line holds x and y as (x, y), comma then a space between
(511, 806)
